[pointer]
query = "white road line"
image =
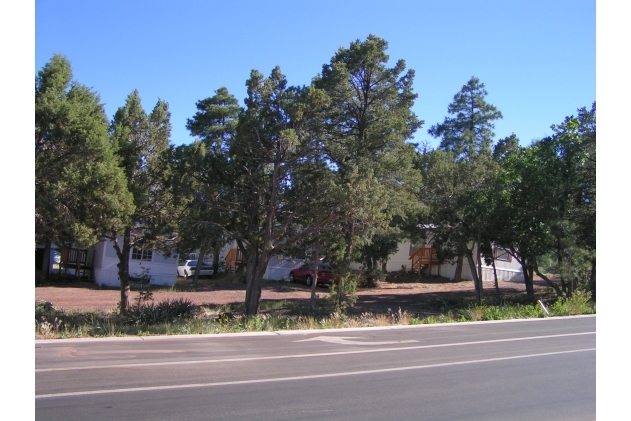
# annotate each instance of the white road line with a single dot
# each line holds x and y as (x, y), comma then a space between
(315, 376)
(346, 340)
(323, 354)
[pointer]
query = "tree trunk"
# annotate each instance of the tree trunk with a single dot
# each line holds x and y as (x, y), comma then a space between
(497, 286)
(530, 287)
(479, 261)
(556, 287)
(200, 261)
(255, 269)
(123, 268)
(458, 276)
(474, 274)
(216, 251)
(312, 301)
(44, 274)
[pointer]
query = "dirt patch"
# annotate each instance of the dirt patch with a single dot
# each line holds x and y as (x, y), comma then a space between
(416, 296)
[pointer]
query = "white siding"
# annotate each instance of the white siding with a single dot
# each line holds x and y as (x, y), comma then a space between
(278, 268)
(506, 271)
(163, 270)
(400, 258)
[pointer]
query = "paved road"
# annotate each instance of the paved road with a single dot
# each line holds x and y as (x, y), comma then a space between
(543, 369)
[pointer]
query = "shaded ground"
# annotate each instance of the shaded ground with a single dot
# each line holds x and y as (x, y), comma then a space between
(417, 296)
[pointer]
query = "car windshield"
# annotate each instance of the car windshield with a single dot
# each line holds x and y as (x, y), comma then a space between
(192, 263)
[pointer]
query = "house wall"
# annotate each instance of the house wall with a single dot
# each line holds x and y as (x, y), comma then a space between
(222, 254)
(399, 259)
(163, 270)
(278, 268)
(506, 271)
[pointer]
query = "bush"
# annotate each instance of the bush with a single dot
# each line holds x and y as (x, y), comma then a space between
(165, 311)
(344, 294)
(371, 278)
(448, 303)
(578, 303)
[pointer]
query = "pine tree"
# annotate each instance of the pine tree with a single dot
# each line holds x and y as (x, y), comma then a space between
(142, 146)
(469, 130)
(80, 192)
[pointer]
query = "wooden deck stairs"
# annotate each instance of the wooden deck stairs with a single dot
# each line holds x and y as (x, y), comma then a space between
(234, 260)
(423, 259)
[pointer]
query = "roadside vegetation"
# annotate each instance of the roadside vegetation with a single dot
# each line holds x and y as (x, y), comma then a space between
(182, 317)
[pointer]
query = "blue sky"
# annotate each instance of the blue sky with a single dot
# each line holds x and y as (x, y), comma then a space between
(537, 58)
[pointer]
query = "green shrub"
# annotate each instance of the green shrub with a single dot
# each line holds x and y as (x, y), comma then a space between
(448, 303)
(578, 303)
(344, 294)
(165, 311)
(371, 278)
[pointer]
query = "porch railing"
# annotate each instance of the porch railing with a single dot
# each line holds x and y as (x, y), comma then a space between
(80, 260)
(424, 257)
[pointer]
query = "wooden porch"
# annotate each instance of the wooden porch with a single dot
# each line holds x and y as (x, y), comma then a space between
(80, 260)
(234, 261)
(423, 259)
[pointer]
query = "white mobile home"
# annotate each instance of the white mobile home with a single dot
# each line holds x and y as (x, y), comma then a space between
(408, 257)
(99, 263)
(161, 269)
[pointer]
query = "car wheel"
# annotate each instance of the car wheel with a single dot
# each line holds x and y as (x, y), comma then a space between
(309, 280)
(291, 278)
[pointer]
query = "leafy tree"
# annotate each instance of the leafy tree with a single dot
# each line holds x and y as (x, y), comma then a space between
(142, 145)
(549, 203)
(469, 129)
(80, 191)
(458, 195)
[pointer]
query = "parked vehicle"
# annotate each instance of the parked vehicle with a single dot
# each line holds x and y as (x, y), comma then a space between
(186, 268)
(305, 274)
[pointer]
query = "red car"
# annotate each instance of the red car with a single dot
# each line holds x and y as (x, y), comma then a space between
(305, 274)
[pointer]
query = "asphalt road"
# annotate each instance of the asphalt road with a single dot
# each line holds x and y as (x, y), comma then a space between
(542, 369)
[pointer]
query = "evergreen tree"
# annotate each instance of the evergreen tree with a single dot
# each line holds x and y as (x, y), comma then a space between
(142, 145)
(465, 221)
(202, 170)
(80, 192)
(469, 129)
(364, 130)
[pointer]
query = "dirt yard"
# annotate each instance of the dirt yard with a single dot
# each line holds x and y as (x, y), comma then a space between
(416, 296)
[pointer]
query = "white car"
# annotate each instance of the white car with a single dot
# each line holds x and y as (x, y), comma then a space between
(186, 268)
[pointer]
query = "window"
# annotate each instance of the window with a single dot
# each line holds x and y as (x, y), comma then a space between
(500, 254)
(141, 254)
